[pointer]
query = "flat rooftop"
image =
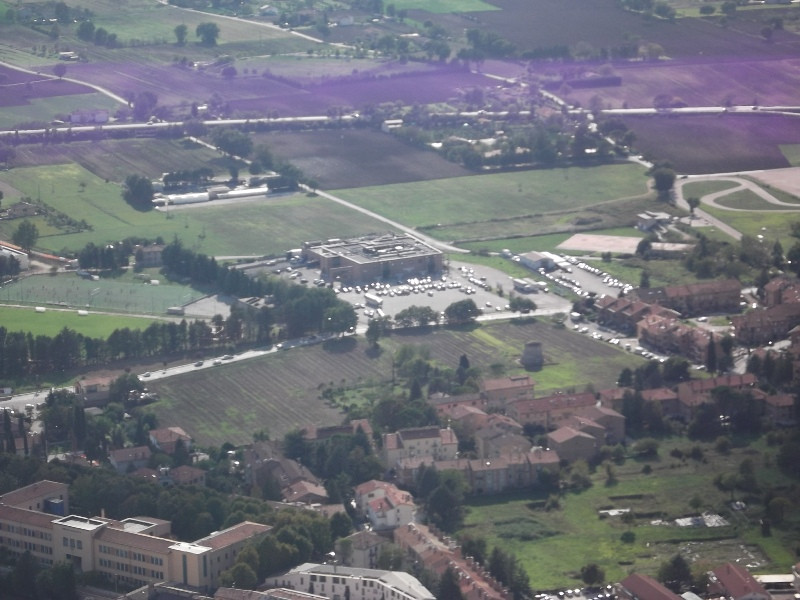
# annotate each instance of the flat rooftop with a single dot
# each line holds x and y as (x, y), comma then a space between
(373, 248)
(78, 522)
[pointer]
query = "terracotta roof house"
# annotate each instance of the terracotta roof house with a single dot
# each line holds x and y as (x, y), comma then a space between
(736, 583)
(767, 324)
(305, 492)
(166, 438)
(93, 390)
(695, 392)
(643, 587)
(129, 459)
(395, 509)
(186, 475)
(492, 443)
(499, 392)
(444, 403)
(549, 411)
(612, 421)
(44, 496)
(612, 398)
(668, 334)
(781, 409)
(781, 290)
(718, 296)
(360, 549)
(420, 543)
(623, 314)
(667, 398)
(440, 444)
(571, 444)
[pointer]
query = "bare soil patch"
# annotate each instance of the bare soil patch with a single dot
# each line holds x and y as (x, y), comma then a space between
(787, 180)
(716, 144)
(601, 243)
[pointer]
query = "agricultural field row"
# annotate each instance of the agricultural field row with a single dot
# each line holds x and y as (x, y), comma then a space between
(281, 391)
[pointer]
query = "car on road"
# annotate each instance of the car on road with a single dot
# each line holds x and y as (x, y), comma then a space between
(227, 357)
(147, 374)
(199, 363)
(218, 361)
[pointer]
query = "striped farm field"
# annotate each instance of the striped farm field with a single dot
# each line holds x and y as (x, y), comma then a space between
(281, 391)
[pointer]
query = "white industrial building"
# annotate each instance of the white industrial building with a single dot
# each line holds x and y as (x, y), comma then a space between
(22, 257)
(334, 581)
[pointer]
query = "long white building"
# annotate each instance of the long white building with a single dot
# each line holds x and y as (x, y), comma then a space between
(335, 581)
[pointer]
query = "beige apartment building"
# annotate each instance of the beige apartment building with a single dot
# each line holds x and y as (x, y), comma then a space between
(134, 551)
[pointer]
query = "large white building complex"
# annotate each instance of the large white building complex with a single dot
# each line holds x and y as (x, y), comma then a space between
(334, 581)
(136, 551)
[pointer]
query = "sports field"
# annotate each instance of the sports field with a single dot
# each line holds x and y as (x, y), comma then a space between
(52, 321)
(70, 291)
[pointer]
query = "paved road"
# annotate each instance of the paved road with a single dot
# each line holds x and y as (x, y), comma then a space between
(710, 199)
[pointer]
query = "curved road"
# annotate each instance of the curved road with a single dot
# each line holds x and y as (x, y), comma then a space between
(710, 199)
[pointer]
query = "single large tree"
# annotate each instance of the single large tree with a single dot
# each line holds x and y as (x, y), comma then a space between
(208, 33)
(138, 191)
(663, 181)
(181, 31)
(26, 235)
(60, 70)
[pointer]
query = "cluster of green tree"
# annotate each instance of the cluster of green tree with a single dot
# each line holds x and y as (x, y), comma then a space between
(99, 35)
(713, 258)
(501, 564)
(112, 257)
(484, 45)
(9, 266)
(774, 370)
(25, 235)
(343, 461)
(23, 355)
(138, 192)
(31, 580)
(187, 177)
(204, 270)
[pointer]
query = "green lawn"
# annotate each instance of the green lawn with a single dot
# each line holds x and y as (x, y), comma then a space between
(269, 226)
(554, 545)
(484, 198)
(698, 189)
(749, 200)
(54, 320)
(772, 225)
(47, 109)
(792, 153)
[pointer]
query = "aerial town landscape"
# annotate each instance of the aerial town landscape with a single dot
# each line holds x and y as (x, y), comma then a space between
(382, 300)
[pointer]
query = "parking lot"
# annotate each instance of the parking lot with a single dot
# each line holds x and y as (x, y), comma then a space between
(489, 288)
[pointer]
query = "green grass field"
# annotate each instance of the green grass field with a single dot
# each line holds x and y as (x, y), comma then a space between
(792, 153)
(47, 109)
(125, 295)
(698, 189)
(54, 320)
(749, 200)
(554, 545)
(269, 226)
(483, 198)
(772, 225)
(152, 21)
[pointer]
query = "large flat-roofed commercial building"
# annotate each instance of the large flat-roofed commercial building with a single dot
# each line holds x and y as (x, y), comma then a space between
(375, 257)
(137, 551)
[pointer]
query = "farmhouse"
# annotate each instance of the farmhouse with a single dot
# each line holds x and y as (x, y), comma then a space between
(133, 551)
(94, 390)
(373, 257)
